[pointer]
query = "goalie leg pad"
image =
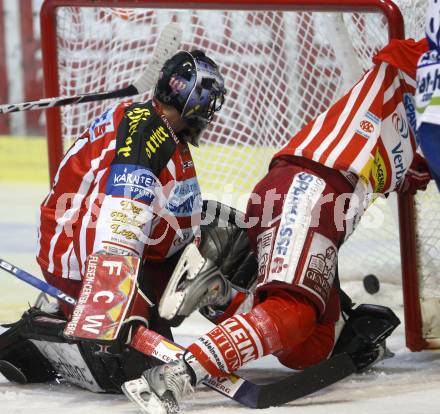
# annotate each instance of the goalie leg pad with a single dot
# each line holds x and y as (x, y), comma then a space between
(36, 346)
(21, 354)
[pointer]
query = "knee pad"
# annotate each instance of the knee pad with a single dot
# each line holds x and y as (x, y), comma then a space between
(294, 316)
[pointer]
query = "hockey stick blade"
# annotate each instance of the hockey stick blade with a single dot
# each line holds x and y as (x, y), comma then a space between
(290, 388)
(36, 282)
(295, 386)
(167, 45)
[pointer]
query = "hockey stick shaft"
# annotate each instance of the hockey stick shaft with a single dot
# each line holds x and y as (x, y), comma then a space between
(62, 101)
(36, 282)
(167, 45)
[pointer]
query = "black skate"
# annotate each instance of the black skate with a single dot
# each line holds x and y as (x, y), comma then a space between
(364, 334)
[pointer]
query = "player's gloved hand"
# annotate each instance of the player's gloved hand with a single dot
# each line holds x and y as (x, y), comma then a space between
(417, 176)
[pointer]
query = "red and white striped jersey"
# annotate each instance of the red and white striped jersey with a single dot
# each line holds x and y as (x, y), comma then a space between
(370, 131)
(126, 186)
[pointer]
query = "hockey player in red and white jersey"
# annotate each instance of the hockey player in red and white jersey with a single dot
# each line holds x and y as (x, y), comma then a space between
(362, 147)
(128, 185)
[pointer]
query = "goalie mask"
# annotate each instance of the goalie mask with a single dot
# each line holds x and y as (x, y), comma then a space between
(433, 24)
(191, 83)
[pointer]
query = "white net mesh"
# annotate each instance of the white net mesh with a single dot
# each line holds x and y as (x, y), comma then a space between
(282, 69)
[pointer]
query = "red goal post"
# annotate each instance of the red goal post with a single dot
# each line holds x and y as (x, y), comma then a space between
(61, 31)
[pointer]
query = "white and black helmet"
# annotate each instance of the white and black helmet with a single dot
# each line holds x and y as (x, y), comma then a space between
(192, 83)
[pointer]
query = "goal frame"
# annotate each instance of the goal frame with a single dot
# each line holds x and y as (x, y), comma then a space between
(407, 234)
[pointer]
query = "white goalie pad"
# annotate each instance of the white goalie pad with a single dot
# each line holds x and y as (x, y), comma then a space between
(189, 266)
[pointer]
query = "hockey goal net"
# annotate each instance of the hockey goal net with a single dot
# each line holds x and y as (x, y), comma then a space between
(284, 63)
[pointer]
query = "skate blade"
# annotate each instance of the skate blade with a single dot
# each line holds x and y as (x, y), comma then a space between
(139, 392)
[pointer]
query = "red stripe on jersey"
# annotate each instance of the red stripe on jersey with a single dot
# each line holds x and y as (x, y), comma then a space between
(327, 126)
(357, 143)
(371, 78)
(303, 133)
(392, 81)
(350, 147)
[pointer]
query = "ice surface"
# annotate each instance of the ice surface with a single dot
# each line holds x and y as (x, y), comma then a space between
(409, 383)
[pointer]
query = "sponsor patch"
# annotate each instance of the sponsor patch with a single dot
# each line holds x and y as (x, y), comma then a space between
(181, 239)
(400, 124)
(177, 83)
(368, 125)
(379, 172)
(102, 125)
(144, 138)
(265, 243)
(408, 102)
(186, 198)
(157, 137)
(108, 288)
(134, 118)
(303, 194)
(132, 181)
(118, 250)
(188, 164)
(231, 344)
(320, 268)
(123, 223)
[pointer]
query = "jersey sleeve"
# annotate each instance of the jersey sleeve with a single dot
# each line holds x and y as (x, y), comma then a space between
(429, 139)
(134, 181)
(403, 54)
(428, 110)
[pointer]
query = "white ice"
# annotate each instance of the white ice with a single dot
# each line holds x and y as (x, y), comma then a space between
(408, 383)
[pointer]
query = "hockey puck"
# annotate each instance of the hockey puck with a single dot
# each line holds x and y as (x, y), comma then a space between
(12, 373)
(371, 284)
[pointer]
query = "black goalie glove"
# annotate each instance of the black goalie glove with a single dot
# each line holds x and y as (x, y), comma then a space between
(225, 242)
(219, 260)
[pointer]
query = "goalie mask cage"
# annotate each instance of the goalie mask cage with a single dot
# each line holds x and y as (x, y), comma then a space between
(284, 63)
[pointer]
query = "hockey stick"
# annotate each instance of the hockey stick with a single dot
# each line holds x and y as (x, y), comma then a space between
(239, 389)
(167, 45)
(245, 392)
(36, 282)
